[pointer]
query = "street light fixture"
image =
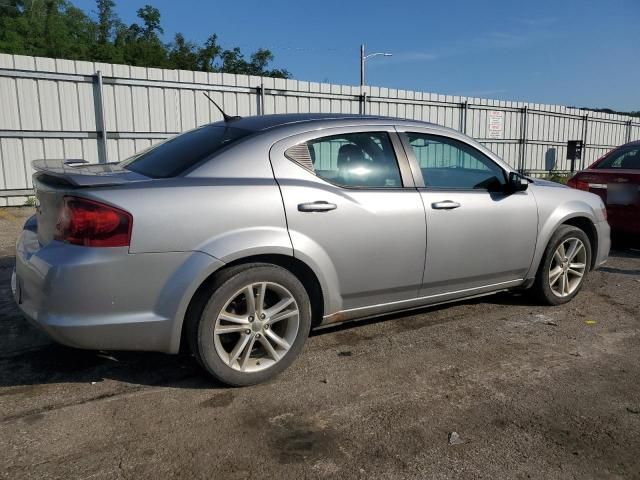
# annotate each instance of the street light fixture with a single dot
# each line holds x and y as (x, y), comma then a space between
(364, 58)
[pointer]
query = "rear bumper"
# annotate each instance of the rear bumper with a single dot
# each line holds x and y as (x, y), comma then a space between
(625, 221)
(107, 298)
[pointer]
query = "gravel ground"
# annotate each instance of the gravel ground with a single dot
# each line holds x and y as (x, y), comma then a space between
(532, 392)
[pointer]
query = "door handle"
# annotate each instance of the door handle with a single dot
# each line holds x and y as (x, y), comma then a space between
(445, 205)
(319, 206)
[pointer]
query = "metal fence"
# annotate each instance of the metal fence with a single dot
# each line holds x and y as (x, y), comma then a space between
(55, 108)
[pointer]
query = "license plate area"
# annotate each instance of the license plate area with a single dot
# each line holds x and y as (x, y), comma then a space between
(619, 194)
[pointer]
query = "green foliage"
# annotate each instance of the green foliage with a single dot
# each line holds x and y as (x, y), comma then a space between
(558, 177)
(45, 28)
(616, 112)
(56, 28)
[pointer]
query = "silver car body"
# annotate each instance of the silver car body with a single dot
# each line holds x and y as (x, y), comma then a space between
(378, 251)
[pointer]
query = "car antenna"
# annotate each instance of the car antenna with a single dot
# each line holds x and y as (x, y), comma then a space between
(227, 118)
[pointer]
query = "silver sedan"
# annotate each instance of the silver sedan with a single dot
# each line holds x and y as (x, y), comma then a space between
(236, 238)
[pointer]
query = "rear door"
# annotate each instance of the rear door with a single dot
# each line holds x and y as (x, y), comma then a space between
(353, 211)
(477, 235)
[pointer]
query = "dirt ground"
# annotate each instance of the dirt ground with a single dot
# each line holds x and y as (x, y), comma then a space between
(532, 392)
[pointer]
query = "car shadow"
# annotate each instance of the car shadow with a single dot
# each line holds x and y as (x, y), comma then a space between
(625, 244)
(622, 271)
(55, 363)
(622, 251)
(28, 357)
(410, 316)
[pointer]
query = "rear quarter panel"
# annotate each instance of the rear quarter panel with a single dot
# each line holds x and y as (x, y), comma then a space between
(220, 214)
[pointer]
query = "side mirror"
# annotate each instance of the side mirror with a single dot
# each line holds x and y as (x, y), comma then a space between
(517, 183)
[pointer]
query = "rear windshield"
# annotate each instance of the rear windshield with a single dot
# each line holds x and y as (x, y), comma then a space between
(177, 154)
(624, 158)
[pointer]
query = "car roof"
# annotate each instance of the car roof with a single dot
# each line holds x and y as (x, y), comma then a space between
(267, 122)
(267, 130)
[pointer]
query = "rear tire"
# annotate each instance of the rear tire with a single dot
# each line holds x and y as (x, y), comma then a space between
(564, 266)
(253, 326)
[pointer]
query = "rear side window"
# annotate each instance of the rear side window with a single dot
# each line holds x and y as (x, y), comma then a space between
(359, 159)
(624, 158)
(178, 154)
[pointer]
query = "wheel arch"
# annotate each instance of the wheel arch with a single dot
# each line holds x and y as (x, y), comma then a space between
(297, 267)
(588, 227)
(581, 220)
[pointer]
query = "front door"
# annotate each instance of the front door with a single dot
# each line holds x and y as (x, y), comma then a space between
(477, 234)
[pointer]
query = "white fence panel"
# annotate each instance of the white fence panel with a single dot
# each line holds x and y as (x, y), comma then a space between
(51, 108)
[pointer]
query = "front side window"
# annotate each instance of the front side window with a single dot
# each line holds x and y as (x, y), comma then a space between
(363, 159)
(450, 164)
(623, 158)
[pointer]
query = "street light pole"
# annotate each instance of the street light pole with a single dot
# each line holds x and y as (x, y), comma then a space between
(361, 66)
(364, 58)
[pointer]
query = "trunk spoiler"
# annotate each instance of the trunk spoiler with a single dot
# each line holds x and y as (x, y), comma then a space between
(81, 173)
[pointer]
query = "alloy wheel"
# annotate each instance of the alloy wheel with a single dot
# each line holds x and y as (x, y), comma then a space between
(568, 267)
(256, 327)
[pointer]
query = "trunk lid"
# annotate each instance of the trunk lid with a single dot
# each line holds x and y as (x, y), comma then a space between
(602, 180)
(54, 179)
(80, 173)
(620, 192)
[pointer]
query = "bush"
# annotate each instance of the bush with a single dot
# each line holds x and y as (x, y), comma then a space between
(558, 177)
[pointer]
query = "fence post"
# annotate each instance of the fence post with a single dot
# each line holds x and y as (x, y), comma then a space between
(101, 124)
(585, 132)
(465, 113)
(363, 103)
(260, 93)
(262, 102)
(629, 127)
(523, 139)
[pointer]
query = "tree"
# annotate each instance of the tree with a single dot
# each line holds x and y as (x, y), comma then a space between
(208, 53)
(56, 28)
(151, 18)
(45, 28)
(107, 21)
(259, 62)
(140, 44)
(233, 61)
(183, 54)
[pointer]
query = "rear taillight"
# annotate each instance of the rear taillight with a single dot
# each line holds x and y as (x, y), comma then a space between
(93, 224)
(575, 182)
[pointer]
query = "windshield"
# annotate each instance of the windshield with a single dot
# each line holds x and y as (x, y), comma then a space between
(178, 154)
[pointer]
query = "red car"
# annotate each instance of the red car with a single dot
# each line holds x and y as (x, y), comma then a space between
(616, 178)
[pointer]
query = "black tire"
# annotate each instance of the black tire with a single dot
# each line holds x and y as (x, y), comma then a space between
(541, 289)
(200, 326)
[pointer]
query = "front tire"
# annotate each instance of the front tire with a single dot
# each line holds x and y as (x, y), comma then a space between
(564, 266)
(253, 326)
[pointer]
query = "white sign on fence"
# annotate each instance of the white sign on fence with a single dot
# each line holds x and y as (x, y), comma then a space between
(496, 124)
